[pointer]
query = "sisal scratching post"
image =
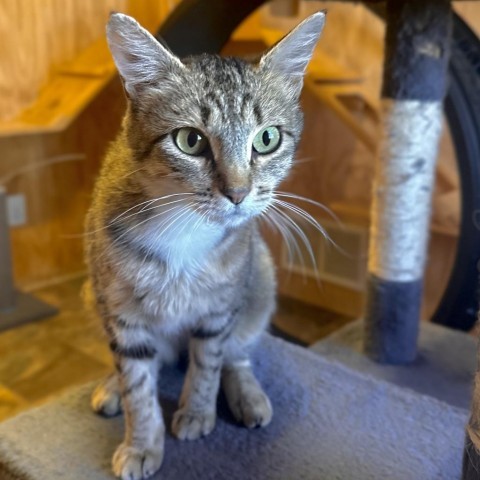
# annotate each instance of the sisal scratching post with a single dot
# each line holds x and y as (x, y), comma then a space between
(414, 85)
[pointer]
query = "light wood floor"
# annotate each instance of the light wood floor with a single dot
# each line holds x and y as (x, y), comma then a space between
(43, 359)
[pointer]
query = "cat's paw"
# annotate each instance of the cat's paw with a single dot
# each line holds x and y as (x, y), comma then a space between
(190, 425)
(130, 463)
(253, 409)
(106, 399)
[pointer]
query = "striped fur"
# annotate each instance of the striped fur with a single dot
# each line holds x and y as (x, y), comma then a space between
(174, 264)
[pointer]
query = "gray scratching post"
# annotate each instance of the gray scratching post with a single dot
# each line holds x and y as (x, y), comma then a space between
(15, 307)
(6, 280)
(414, 85)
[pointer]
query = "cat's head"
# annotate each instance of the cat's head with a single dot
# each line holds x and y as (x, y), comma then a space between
(222, 129)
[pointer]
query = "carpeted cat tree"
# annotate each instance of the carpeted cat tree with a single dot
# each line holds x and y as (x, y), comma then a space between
(331, 420)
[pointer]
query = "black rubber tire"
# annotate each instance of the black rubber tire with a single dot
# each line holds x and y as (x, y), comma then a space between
(198, 26)
(459, 304)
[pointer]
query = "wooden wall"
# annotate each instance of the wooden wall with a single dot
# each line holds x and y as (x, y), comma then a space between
(39, 35)
(50, 245)
(42, 35)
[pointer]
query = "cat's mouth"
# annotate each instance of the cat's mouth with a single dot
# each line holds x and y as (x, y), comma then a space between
(226, 213)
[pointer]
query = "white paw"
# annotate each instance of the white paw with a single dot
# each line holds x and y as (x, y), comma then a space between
(189, 425)
(130, 463)
(106, 398)
(253, 409)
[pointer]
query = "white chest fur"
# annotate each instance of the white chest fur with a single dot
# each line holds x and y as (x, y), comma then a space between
(183, 242)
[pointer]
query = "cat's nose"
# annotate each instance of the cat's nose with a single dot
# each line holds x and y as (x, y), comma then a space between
(236, 195)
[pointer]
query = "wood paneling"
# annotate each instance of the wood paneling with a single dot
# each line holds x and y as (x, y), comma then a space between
(57, 195)
(39, 36)
(57, 48)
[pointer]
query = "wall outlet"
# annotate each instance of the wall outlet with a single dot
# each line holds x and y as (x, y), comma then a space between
(16, 210)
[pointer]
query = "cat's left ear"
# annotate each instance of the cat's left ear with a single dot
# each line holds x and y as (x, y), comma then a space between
(140, 58)
(290, 56)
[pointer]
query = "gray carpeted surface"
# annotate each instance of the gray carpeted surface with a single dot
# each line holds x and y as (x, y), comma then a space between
(329, 423)
(444, 368)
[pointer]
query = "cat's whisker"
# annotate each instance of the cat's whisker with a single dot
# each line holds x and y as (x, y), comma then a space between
(150, 219)
(176, 219)
(69, 236)
(171, 174)
(314, 223)
(275, 222)
(133, 172)
(122, 216)
(185, 223)
(299, 161)
(183, 211)
(316, 271)
(150, 249)
(149, 202)
(291, 235)
(305, 215)
(197, 224)
(146, 202)
(119, 243)
(169, 221)
(312, 202)
(301, 234)
(144, 209)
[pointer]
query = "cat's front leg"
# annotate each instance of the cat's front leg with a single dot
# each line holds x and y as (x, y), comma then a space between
(197, 413)
(141, 453)
(245, 397)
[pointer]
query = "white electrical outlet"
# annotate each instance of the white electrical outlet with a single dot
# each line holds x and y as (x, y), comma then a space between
(16, 210)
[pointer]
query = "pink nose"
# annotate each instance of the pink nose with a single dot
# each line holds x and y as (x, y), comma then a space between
(236, 195)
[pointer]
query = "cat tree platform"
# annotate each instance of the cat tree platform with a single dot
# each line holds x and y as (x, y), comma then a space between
(444, 367)
(330, 422)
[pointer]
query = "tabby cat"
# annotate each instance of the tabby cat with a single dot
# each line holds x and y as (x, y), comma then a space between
(175, 256)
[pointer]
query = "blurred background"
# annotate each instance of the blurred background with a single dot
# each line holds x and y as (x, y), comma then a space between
(61, 103)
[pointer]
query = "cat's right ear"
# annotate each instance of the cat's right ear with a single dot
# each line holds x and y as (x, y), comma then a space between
(139, 57)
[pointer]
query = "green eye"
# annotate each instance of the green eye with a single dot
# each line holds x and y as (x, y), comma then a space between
(190, 141)
(267, 140)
